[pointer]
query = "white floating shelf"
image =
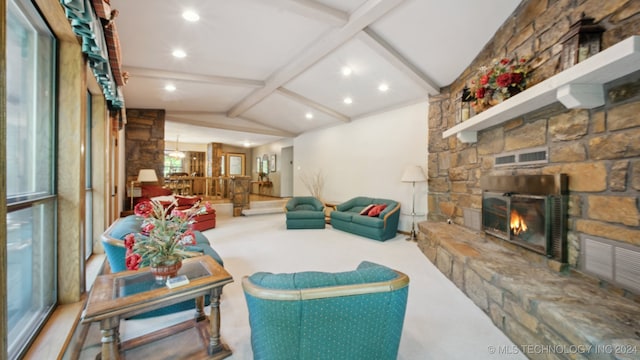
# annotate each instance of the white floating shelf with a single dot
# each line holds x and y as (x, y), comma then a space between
(579, 87)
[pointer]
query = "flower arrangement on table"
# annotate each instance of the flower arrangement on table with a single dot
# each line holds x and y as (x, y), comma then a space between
(164, 236)
(498, 82)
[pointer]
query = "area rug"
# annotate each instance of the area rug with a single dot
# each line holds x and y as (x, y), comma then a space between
(441, 322)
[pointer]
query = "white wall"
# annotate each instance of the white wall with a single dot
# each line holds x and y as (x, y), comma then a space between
(268, 149)
(367, 157)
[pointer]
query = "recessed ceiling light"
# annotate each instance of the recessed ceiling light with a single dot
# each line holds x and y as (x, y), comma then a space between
(347, 100)
(170, 87)
(179, 53)
(190, 15)
(383, 87)
(247, 144)
(346, 71)
(308, 115)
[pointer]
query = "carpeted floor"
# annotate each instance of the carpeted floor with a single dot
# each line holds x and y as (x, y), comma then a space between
(441, 323)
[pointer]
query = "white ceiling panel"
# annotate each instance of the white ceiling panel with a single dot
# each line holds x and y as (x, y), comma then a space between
(254, 68)
(188, 96)
(439, 36)
(238, 38)
(325, 83)
(194, 134)
(348, 6)
(281, 112)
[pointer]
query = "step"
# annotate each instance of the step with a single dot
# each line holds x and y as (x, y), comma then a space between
(262, 210)
(277, 203)
(265, 207)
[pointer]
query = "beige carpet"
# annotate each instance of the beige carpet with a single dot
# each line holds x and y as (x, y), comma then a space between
(441, 323)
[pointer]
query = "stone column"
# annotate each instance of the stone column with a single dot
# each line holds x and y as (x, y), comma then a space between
(144, 145)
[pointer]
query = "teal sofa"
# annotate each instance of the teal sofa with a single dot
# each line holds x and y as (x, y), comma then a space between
(113, 244)
(305, 212)
(346, 217)
(357, 314)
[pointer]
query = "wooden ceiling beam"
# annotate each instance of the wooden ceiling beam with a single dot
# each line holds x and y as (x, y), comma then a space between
(384, 49)
(312, 10)
(199, 78)
(362, 17)
(308, 102)
(186, 117)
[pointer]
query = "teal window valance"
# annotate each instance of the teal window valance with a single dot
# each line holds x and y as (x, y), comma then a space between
(89, 28)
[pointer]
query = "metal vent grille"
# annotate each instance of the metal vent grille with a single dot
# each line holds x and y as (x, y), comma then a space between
(628, 268)
(505, 160)
(558, 247)
(535, 156)
(523, 157)
(598, 259)
(612, 261)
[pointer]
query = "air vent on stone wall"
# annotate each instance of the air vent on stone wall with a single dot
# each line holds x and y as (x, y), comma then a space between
(611, 261)
(523, 157)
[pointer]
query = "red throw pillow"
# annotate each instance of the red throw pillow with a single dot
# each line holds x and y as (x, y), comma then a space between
(366, 210)
(187, 201)
(377, 210)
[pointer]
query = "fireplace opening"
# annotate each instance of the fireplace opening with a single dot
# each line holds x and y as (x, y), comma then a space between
(529, 211)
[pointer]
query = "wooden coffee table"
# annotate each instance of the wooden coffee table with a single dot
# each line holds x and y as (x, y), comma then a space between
(128, 293)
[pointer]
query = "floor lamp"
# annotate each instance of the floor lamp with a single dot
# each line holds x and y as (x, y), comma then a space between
(413, 174)
(144, 175)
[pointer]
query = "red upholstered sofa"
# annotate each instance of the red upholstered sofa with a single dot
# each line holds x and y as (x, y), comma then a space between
(147, 192)
(156, 192)
(201, 222)
(205, 221)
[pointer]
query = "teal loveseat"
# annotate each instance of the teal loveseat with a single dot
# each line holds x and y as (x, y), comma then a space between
(357, 314)
(384, 226)
(113, 244)
(304, 212)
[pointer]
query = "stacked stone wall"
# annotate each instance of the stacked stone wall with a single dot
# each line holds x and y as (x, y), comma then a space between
(547, 314)
(599, 149)
(144, 142)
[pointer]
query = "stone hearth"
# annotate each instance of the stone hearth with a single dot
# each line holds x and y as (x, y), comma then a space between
(541, 310)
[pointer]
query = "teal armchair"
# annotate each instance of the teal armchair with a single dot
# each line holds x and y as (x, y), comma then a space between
(305, 212)
(357, 314)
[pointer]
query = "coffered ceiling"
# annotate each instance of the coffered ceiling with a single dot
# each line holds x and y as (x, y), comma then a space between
(256, 71)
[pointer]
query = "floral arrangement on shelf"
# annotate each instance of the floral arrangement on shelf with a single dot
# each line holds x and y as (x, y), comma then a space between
(164, 235)
(498, 82)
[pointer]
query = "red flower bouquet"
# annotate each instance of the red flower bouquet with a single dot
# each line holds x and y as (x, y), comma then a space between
(494, 84)
(163, 236)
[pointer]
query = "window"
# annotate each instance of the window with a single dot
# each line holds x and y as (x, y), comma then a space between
(30, 177)
(172, 164)
(88, 210)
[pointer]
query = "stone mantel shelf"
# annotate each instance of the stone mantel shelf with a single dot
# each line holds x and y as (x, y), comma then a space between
(579, 87)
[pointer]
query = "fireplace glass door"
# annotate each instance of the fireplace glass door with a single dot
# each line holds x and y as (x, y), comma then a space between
(520, 219)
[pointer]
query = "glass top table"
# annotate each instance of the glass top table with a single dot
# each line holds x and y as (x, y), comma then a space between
(128, 293)
(145, 281)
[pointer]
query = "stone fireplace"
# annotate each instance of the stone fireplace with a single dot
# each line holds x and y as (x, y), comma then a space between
(569, 301)
(527, 210)
(597, 148)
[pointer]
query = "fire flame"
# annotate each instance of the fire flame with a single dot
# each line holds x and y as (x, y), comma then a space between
(518, 225)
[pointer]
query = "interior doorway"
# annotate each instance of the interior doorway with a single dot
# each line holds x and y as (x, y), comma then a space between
(286, 171)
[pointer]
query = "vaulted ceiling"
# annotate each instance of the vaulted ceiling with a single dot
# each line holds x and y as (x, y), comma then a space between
(256, 71)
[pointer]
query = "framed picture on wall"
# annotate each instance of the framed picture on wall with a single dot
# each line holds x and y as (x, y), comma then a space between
(272, 163)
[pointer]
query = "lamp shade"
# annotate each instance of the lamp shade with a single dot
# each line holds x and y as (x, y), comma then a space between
(147, 175)
(413, 173)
